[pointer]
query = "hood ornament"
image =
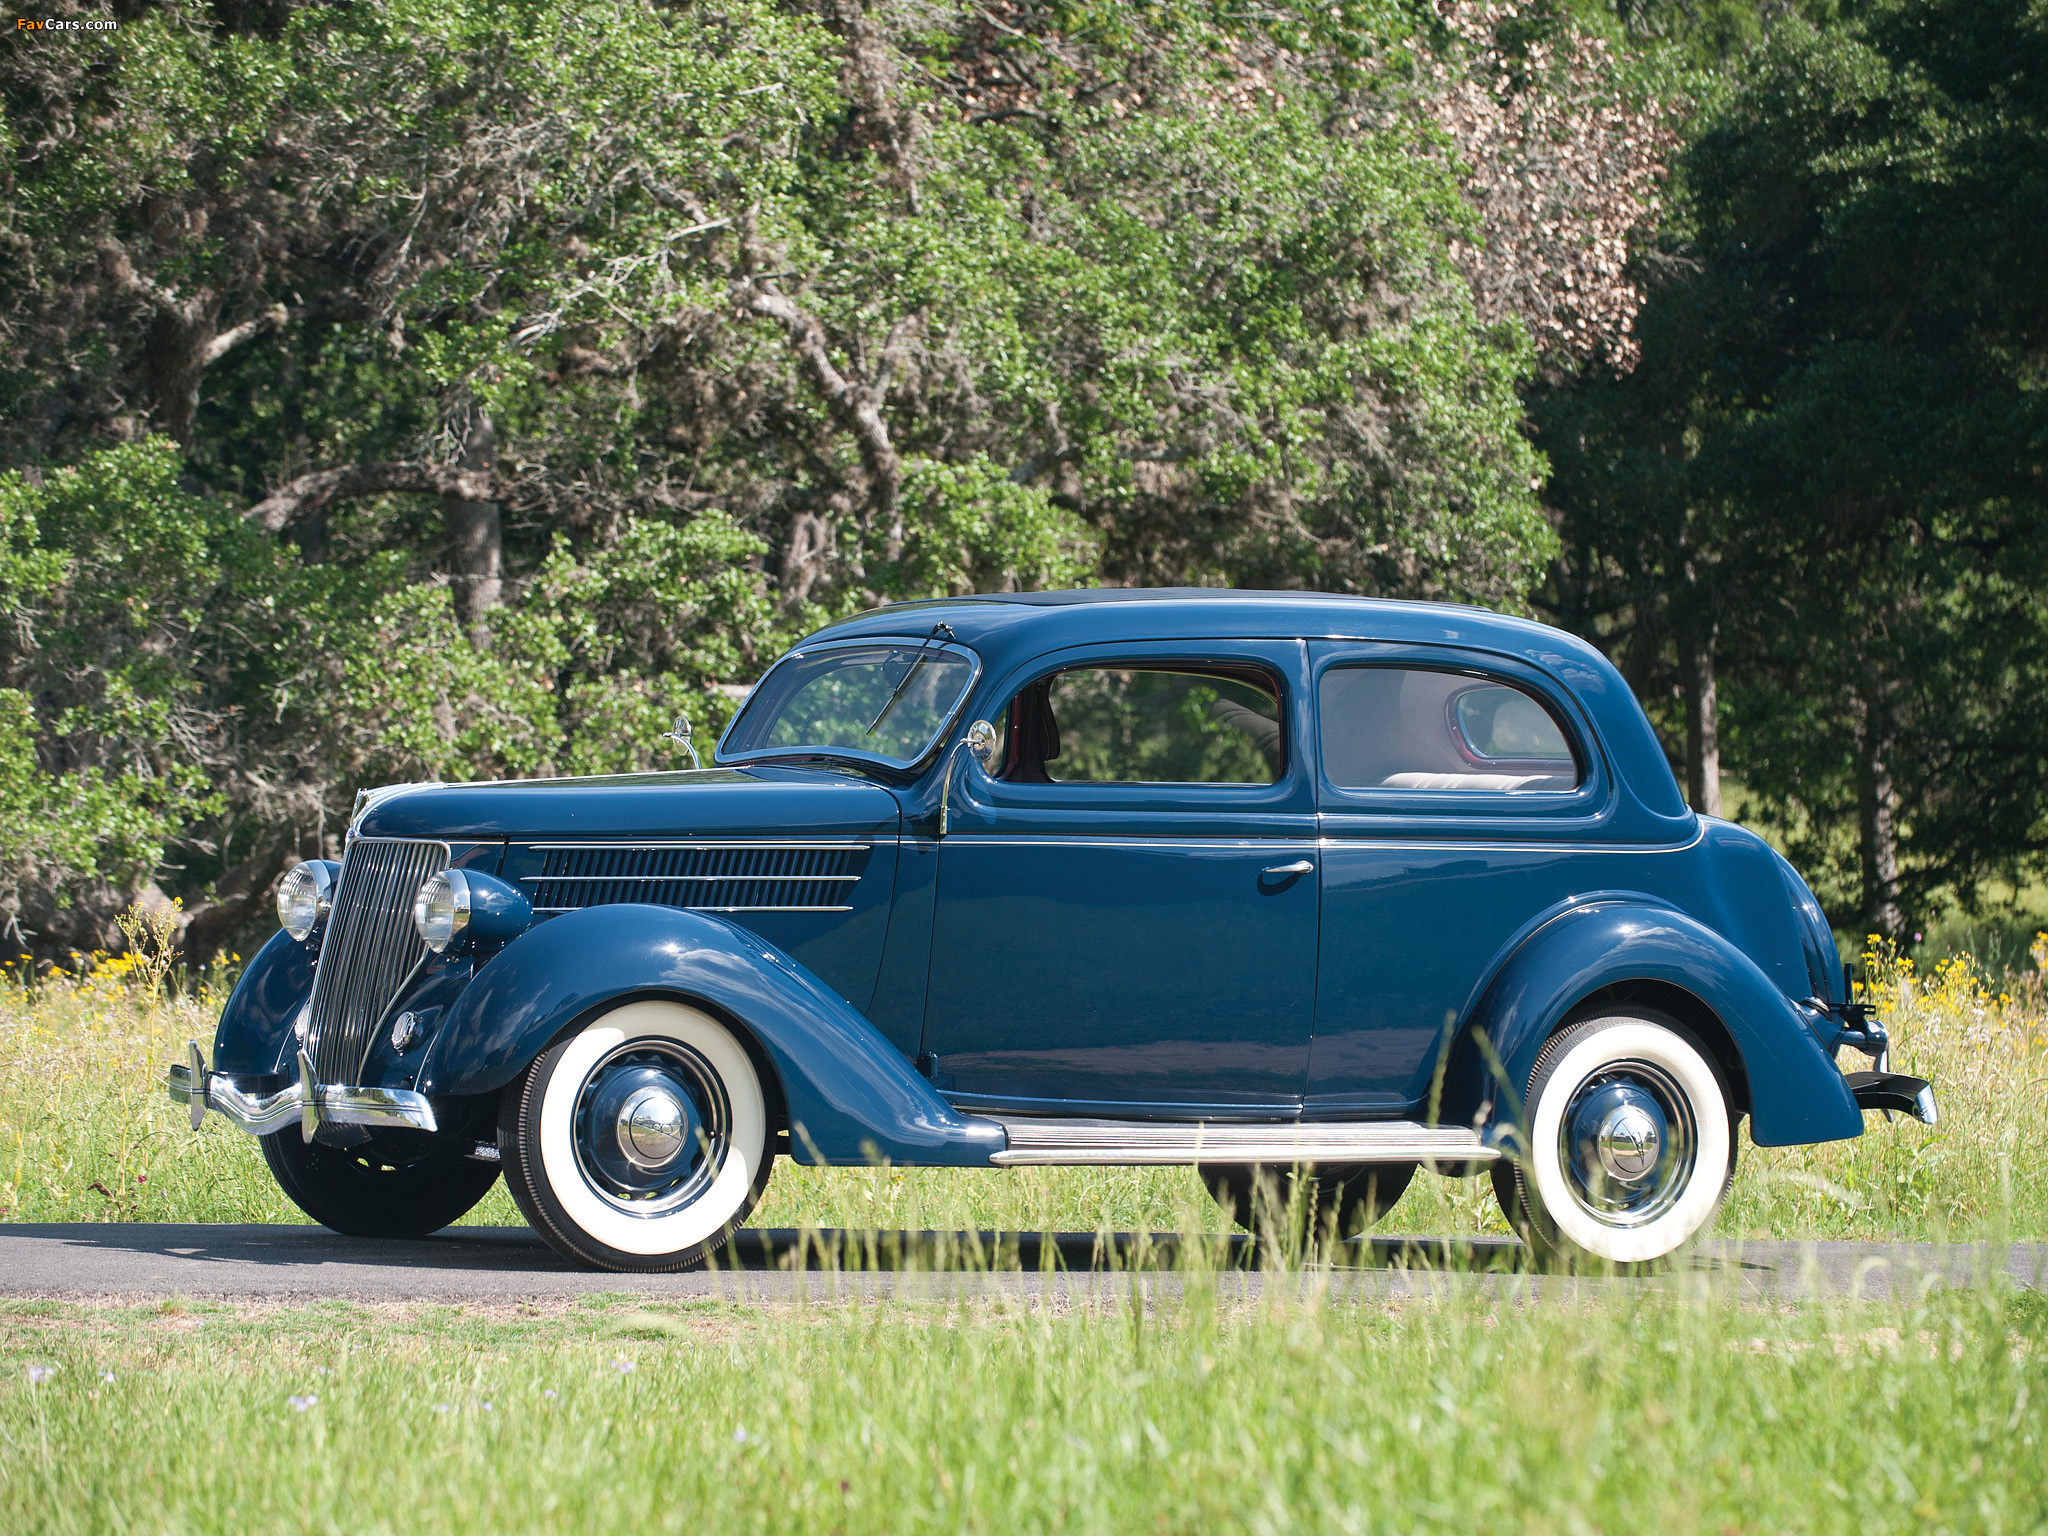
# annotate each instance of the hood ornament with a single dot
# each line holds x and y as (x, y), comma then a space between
(679, 733)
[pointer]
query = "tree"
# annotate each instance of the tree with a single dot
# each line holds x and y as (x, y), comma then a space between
(530, 378)
(1845, 431)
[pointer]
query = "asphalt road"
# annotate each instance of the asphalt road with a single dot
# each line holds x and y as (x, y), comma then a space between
(505, 1265)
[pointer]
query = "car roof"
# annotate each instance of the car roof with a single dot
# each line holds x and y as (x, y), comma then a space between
(1010, 628)
(1053, 619)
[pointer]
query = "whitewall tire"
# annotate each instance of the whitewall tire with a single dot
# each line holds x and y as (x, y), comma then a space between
(640, 1141)
(1631, 1143)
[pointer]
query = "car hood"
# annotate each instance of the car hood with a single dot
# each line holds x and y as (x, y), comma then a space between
(711, 802)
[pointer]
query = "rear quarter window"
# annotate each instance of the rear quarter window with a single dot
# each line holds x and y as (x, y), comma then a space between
(1409, 728)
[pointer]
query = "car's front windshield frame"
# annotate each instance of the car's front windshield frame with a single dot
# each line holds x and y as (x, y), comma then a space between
(895, 766)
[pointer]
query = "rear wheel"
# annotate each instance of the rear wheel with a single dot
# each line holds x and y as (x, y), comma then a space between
(1310, 1200)
(394, 1185)
(1631, 1144)
(639, 1142)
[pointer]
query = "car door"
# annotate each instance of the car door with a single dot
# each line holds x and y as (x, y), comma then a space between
(1126, 911)
(1462, 799)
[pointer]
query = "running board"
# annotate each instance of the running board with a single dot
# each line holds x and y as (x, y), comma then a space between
(1036, 1141)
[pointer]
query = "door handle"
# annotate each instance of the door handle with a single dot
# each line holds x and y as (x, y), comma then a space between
(1298, 867)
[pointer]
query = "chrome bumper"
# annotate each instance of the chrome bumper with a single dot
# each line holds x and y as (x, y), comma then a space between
(1894, 1091)
(259, 1108)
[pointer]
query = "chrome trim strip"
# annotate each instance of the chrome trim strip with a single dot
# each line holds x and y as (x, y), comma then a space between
(1323, 842)
(1044, 1141)
(685, 879)
(557, 911)
(1222, 842)
(1410, 840)
(625, 846)
(263, 1114)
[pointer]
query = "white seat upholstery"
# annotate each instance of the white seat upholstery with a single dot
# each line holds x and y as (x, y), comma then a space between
(1498, 783)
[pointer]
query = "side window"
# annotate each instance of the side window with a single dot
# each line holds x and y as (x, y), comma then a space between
(1405, 728)
(1147, 725)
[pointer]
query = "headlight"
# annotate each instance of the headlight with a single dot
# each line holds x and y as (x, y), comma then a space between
(305, 896)
(441, 910)
(461, 909)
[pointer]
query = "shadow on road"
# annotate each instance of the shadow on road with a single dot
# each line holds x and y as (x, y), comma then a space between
(511, 1264)
(508, 1250)
(518, 1250)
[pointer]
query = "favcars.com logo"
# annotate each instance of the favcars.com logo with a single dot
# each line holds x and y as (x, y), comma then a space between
(68, 24)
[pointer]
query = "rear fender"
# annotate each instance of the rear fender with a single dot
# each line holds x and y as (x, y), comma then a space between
(851, 1096)
(1796, 1093)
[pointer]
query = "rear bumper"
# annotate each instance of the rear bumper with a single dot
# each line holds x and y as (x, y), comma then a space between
(262, 1104)
(1894, 1090)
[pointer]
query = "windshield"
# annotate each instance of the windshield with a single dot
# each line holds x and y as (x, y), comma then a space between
(888, 701)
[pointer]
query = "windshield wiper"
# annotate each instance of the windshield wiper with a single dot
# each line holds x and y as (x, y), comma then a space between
(917, 661)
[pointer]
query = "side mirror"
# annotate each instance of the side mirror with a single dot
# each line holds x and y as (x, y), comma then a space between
(983, 742)
(679, 733)
(980, 740)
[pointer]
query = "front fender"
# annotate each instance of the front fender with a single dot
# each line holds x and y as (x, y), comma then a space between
(1796, 1093)
(255, 1030)
(850, 1094)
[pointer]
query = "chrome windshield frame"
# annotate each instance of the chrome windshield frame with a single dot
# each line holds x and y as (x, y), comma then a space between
(723, 758)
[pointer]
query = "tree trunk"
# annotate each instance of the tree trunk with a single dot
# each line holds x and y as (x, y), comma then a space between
(310, 533)
(857, 406)
(1877, 812)
(238, 894)
(803, 557)
(476, 537)
(179, 340)
(1702, 718)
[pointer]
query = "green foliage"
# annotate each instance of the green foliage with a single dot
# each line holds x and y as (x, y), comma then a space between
(60, 829)
(431, 706)
(1825, 473)
(644, 630)
(1160, 727)
(163, 653)
(749, 318)
(1224, 327)
(107, 571)
(971, 527)
(745, 319)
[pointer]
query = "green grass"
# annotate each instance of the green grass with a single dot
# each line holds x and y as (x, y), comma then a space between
(2000, 939)
(1676, 1408)
(1477, 1412)
(86, 1134)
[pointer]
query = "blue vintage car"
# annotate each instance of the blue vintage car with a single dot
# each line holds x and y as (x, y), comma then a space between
(1320, 886)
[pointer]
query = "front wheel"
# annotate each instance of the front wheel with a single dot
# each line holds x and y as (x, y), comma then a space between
(639, 1142)
(398, 1184)
(1631, 1144)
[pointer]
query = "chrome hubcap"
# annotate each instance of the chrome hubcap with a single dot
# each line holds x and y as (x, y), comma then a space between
(1627, 1143)
(652, 1127)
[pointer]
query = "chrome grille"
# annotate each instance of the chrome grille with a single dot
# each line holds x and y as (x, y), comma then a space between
(720, 877)
(369, 950)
